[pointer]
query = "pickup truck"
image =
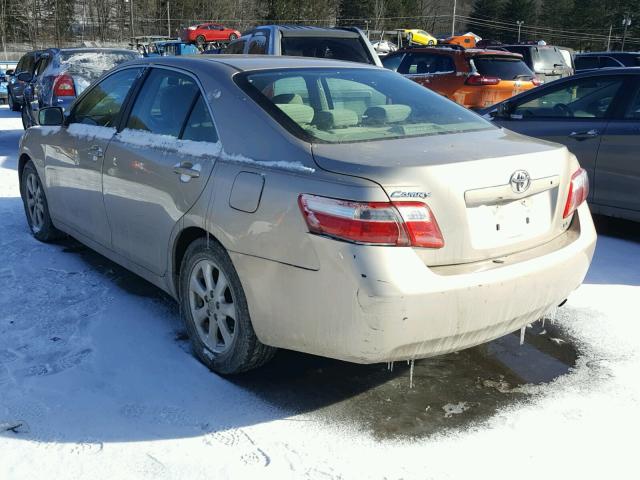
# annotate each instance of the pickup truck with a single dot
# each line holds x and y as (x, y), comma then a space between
(340, 43)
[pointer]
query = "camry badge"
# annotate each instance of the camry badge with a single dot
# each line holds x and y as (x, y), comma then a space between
(520, 181)
(403, 194)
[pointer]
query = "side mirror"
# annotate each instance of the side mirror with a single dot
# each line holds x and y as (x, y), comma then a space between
(10, 72)
(24, 77)
(51, 116)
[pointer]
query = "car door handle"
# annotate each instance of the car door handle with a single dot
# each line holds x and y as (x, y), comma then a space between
(96, 152)
(584, 135)
(187, 170)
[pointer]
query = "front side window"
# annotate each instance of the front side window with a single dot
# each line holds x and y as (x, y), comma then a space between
(353, 105)
(585, 98)
(102, 104)
(633, 110)
(608, 62)
(163, 103)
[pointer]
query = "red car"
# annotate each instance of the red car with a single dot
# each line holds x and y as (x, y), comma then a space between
(208, 32)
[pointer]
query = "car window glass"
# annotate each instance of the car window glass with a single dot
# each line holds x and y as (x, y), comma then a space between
(235, 47)
(349, 49)
(41, 65)
(584, 63)
(549, 58)
(101, 105)
(199, 127)
(163, 103)
(421, 63)
(633, 110)
(354, 96)
(392, 62)
(29, 63)
(352, 105)
(503, 67)
(608, 62)
(258, 45)
(586, 98)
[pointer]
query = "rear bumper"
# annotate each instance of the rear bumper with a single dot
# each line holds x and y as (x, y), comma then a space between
(374, 304)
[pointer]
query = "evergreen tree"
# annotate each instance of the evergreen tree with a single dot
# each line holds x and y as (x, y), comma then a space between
(483, 11)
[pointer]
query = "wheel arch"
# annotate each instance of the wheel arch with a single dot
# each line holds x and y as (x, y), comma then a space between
(185, 238)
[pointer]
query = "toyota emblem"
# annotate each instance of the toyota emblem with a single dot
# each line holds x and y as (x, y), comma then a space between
(520, 181)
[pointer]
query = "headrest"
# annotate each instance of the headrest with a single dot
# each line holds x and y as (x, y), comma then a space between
(337, 118)
(287, 98)
(296, 112)
(383, 114)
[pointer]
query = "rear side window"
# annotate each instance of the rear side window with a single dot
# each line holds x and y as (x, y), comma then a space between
(422, 63)
(199, 127)
(101, 105)
(163, 103)
(504, 68)
(586, 98)
(349, 49)
(586, 63)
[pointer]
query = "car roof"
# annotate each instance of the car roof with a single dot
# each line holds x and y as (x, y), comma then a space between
(309, 31)
(470, 52)
(610, 54)
(255, 62)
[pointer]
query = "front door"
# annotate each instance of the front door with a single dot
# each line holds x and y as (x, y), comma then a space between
(617, 179)
(74, 165)
(156, 167)
(573, 113)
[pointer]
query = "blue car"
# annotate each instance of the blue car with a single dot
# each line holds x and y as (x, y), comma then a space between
(60, 75)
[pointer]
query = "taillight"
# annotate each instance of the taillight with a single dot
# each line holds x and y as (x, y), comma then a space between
(578, 191)
(478, 80)
(63, 86)
(536, 81)
(399, 224)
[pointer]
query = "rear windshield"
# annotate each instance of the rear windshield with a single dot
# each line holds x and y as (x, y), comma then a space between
(91, 64)
(349, 49)
(503, 67)
(355, 105)
(549, 58)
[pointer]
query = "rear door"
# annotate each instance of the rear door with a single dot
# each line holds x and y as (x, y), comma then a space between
(156, 167)
(617, 176)
(574, 113)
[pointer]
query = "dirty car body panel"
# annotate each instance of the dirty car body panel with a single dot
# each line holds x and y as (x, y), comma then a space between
(308, 135)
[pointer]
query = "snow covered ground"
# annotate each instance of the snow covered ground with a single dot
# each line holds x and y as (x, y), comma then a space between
(97, 382)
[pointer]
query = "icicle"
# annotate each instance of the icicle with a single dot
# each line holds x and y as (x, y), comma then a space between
(411, 373)
(522, 330)
(543, 323)
(391, 366)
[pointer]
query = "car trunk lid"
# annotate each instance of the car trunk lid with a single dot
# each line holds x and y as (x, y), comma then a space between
(475, 184)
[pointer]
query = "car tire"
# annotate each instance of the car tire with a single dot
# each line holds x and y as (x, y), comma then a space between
(15, 107)
(211, 295)
(431, 42)
(200, 40)
(232, 37)
(35, 205)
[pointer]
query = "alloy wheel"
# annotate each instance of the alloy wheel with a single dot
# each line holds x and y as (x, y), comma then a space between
(35, 202)
(212, 306)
